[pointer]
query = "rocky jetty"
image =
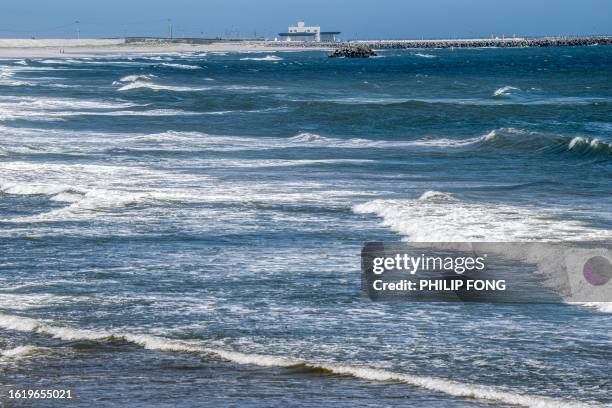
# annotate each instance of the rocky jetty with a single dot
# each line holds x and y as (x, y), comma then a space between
(345, 49)
(494, 43)
(354, 51)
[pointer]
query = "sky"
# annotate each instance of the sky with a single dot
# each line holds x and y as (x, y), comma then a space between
(357, 19)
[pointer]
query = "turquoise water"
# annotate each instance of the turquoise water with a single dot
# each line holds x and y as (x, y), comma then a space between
(185, 229)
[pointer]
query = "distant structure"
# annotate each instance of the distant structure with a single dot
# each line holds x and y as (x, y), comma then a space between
(301, 32)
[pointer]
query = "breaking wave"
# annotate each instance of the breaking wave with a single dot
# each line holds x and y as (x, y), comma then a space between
(588, 146)
(452, 220)
(436, 196)
(533, 142)
(423, 55)
(266, 58)
(603, 307)
(81, 202)
(91, 201)
(150, 342)
(441, 217)
(308, 138)
(180, 66)
(20, 351)
(138, 84)
(145, 81)
(133, 78)
(504, 91)
(55, 192)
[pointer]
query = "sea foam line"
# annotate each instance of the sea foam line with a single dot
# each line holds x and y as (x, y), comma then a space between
(149, 342)
(180, 66)
(266, 58)
(20, 351)
(150, 85)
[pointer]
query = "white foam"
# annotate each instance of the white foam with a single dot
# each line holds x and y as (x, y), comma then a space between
(445, 142)
(454, 388)
(180, 66)
(133, 78)
(20, 351)
(31, 301)
(506, 90)
(308, 137)
(90, 190)
(432, 195)
(150, 85)
(462, 221)
(38, 189)
(422, 55)
(586, 142)
(42, 108)
(603, 307)
(53, 61)
(449, 387)
(43, 103)
(315, 139)
(35, 114)
(266, 58)
(91, 201)
(312, 139)
(262, 163)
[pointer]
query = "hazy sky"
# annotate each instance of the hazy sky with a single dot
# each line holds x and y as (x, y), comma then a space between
(355, 18)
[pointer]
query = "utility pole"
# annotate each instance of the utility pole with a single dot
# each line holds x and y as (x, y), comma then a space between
(78, 30)
(170, 28)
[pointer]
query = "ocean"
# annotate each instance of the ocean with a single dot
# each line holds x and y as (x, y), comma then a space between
(185, 229)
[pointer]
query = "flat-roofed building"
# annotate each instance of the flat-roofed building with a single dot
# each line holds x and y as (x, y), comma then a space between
(302, 32)
(329, 36)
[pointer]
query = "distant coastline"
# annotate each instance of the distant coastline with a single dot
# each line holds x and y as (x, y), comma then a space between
(32, 48)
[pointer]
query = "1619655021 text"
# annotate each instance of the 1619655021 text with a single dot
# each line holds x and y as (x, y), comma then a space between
(39, 394)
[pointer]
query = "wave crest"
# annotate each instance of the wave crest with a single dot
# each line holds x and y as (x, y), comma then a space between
(444, 220)
(433, 195)
(133, 78)
(150, 342)
(423, 55)
(308, 138)
(505, 91)
(21, 351)
(157, 87)
(266, 58)
(589, 146)
(180, 66)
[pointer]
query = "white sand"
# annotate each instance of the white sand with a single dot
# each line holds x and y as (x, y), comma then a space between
(17, 48)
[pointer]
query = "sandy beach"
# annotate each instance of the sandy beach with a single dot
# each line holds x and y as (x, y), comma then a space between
(23, 48)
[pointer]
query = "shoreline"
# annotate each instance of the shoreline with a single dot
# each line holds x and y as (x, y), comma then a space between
(73, 48)
(44, 48)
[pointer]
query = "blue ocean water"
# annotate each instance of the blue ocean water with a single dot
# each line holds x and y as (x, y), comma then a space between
(185, 229)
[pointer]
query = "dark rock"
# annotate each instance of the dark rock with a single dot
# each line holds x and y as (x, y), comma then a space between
(354, 51)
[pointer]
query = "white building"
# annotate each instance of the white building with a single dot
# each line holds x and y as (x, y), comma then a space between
(301, 32)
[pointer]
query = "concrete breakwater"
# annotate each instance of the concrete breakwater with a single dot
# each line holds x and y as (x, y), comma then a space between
(354, 51)
(467, 43)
